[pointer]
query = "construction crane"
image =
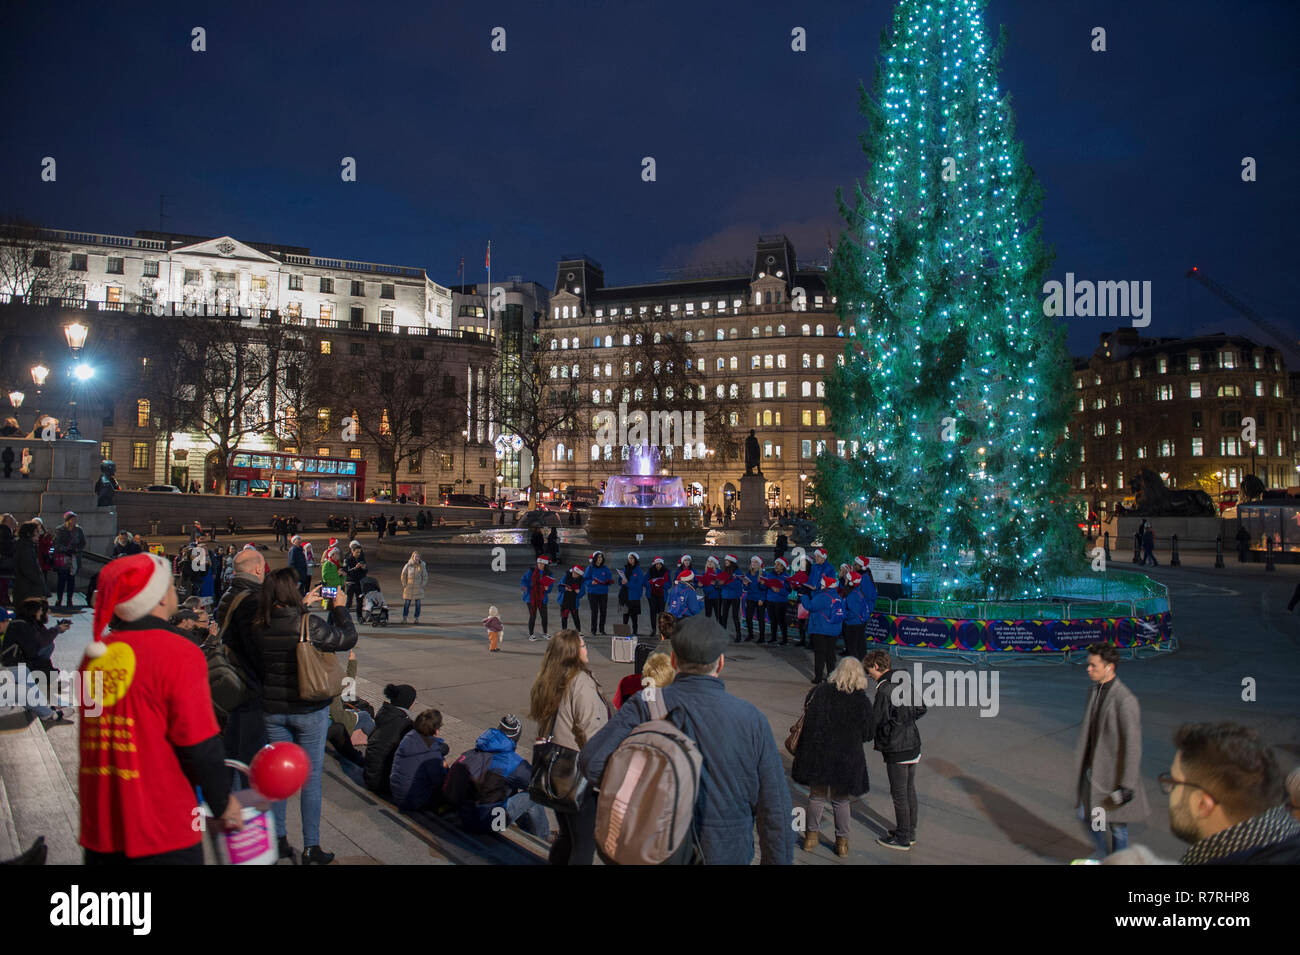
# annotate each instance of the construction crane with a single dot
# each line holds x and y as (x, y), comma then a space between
(1288, 344)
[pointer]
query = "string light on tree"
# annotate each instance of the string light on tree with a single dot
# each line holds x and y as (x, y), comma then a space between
(945, 272)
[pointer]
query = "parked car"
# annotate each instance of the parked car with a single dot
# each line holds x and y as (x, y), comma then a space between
(163, 489)
(466, 500)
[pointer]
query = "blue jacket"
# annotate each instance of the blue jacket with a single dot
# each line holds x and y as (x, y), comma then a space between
(418, 770)
(635, 581)
(857, 605)
(598, 579)
(731, 590)
(484, 778)
(527, 584)
(755, 589)
(825, 611)
(743, 780)
(824, 569)
(683, 601)
(776, 594)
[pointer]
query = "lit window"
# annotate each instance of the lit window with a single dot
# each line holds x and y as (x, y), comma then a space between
(323, 452)
(139, 455)
(1119, 452)
(1166, 447)
(106, 450)
(806, 389)
(1193, 362)
(735, 363)
(780, 360)
(323, 418)
(325, 347)
(821, 389)
(355, 454)
(1227, 359)
(1164, 392)
(769, 361)
(807, 361)
(821, 418)
(1259, 389)
(1162, 366)
(755, 361)
(142, 413)
(1198, 447)
(1194, 389)
(821, 361)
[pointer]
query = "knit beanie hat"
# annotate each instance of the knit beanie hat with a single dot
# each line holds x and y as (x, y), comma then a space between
(511, 726)
(400, 694)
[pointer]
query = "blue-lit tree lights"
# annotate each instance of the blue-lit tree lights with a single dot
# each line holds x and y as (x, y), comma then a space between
(954, 385)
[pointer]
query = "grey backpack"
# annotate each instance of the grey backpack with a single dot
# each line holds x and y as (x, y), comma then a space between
(646, 811)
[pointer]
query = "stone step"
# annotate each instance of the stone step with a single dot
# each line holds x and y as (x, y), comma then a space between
(37, 799)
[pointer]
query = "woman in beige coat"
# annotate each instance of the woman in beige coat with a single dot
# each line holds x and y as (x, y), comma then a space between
(568, 707)
(414, 576)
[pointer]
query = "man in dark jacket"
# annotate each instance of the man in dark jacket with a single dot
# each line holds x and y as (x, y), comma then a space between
(743, 781)
(298, 561)
(894, 713)
(1226, 798)
(354, 569)
(490, 784)
(391, 723)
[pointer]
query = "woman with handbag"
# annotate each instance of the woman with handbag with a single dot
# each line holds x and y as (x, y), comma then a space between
(292, 653)
(569, 709)
(828, 755)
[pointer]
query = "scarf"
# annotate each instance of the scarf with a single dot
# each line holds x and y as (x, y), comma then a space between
(535, 591)
(1275, 825)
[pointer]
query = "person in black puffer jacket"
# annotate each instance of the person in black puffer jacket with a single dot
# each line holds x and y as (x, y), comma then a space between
(893, 727)
(273, 658)
(829, 759)
(391, 723)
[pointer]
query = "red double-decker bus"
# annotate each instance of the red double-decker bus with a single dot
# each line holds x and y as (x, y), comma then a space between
(306, 476)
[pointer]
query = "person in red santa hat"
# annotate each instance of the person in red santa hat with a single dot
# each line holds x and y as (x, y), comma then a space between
(536, 586)
(149, 736)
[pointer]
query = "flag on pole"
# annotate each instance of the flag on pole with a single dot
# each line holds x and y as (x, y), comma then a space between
(487, 262)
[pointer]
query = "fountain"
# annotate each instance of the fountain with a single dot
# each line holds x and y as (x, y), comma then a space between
(641, 501)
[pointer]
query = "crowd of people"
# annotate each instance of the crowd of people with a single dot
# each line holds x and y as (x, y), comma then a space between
(233, 682)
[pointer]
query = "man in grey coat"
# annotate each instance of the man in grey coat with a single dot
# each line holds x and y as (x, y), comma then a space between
(1108, 755)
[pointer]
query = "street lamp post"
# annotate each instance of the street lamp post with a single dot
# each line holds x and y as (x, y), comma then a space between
(802, 479)
(39, 374)
(463, 458)
(76, 333)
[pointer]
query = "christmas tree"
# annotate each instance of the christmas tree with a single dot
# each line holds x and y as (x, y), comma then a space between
(954, 385)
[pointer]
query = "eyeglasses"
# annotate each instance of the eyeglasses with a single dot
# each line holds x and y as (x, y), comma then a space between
(1168, 783)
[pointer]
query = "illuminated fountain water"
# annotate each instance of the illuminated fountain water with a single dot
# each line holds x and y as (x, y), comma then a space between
(643, 501)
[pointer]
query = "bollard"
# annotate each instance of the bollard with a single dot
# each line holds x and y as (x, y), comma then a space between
(1269, 563)
(1173, 558)
(1218, 551)
(1106, 545)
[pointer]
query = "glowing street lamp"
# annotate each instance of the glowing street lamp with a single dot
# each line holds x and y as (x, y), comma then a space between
(16, 398)
(76, 335)
(39, 374)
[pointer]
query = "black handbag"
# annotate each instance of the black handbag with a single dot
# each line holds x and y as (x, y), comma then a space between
(556, 782)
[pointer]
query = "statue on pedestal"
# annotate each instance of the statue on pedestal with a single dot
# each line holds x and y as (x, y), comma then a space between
(106, 487)
(753, 455)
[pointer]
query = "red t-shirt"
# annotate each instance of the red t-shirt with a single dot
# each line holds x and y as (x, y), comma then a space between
(134, 796)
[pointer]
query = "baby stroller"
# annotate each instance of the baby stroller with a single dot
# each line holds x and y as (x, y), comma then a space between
(374, 609)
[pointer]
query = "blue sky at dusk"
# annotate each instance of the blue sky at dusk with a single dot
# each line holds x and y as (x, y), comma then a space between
(1138, 149)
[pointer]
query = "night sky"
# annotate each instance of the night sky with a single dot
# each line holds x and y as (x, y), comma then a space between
(1138, 149)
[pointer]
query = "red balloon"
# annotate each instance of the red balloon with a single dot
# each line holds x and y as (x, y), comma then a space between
(279, 770)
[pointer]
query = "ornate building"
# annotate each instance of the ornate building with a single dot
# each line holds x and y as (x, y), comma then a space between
(1182, 408)
(766, 336)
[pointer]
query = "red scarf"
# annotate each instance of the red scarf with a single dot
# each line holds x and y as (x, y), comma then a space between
(535, 595)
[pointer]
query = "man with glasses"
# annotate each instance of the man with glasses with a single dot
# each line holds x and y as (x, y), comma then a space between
(1226, 798)
(1108, 756)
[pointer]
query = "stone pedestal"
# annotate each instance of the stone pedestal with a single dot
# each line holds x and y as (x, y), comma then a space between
(61, 477)
(753, 505)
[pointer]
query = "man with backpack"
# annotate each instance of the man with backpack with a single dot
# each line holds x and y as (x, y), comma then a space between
(245, 731)
(489, 784)
(715, 749)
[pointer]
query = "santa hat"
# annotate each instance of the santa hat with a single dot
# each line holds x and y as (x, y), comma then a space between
(712, 560)
(595, 554)
(756, 558)
(633, 555)
(686, 577)
(854, 578)
(657, 560)
(543, 560)
(294, 539)
(128, 588)
(733, 558)
(820, 552)
(861, 562)
(250, 546)
(575, 569)
(684, 559)
(334, 541)
(781, 562)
